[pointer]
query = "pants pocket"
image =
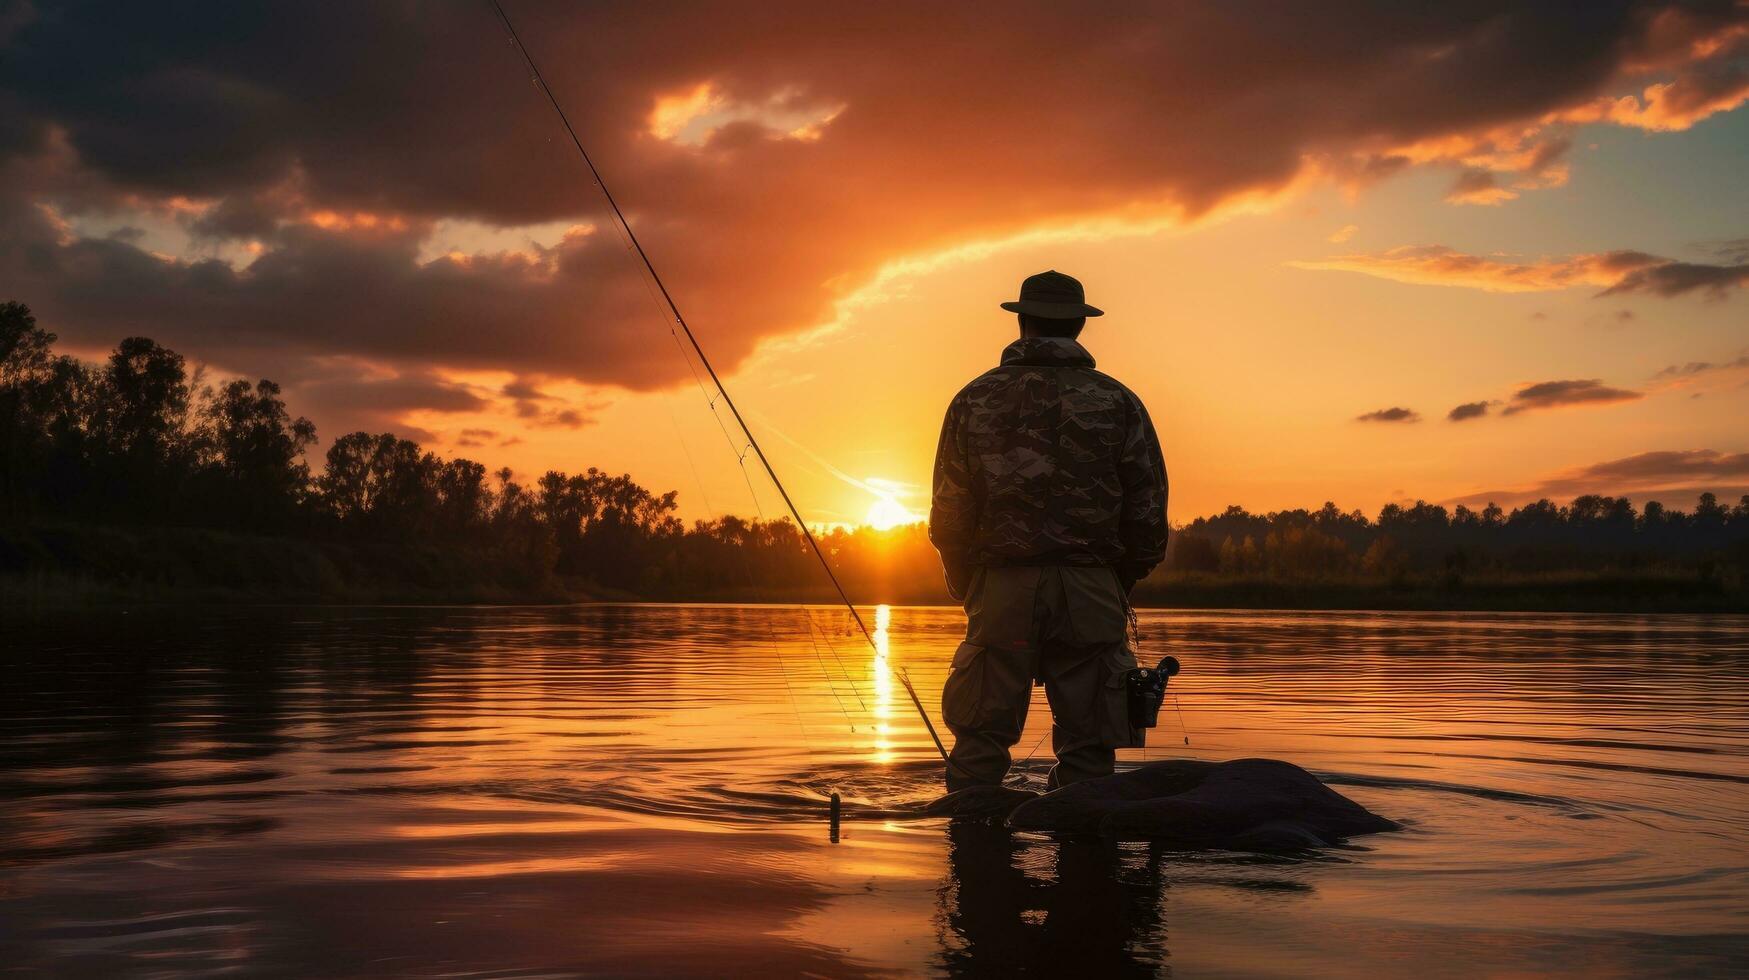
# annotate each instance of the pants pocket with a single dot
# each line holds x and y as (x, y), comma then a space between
(963, 702)
(1115, 730)
(1093, 609)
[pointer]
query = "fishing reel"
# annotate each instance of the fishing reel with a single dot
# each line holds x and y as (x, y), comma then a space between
(1146, 687)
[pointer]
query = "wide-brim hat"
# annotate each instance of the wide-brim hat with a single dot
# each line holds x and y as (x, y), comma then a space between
(1053, 296)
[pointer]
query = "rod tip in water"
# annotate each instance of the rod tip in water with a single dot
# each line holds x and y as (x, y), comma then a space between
(836, 810)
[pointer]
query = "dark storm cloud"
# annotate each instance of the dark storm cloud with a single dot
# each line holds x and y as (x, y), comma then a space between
(849, 136)
(1468, 410)
(1393, 414)
(1556, 394)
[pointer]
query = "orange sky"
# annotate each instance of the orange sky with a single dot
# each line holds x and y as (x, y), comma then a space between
(1315, 235)
(1254, 367)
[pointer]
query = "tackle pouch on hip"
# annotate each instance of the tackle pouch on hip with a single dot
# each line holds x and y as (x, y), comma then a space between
(1117, 729)
(1145, 689)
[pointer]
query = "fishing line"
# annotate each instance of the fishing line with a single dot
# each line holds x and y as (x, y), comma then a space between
(905, 678)
(711, 404)
(1021, 776)
(776, 647)
(794, 706)
(770, 633)
(1181, 725)
(840, 661)
(644, 281)
(679, 320)
(729, 440)
(680, 437)
(1136, 643)
(826, 673)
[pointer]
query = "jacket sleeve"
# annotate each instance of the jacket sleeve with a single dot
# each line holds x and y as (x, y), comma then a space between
(1142, 471)
(953, 506)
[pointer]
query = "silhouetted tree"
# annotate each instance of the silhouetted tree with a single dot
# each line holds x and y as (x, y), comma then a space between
(257, 475)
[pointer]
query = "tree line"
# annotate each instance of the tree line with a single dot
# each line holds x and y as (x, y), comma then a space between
(140, 441)
(1592, 533)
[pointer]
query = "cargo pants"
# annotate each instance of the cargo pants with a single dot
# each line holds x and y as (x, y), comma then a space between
(1065, 626)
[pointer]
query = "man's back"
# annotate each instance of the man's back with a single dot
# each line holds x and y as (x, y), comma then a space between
(1049, 505)
(1046, 461)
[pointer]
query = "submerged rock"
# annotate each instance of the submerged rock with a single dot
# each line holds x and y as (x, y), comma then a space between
(1243, 805)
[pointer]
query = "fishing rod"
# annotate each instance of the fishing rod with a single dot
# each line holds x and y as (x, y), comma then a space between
(680, 320)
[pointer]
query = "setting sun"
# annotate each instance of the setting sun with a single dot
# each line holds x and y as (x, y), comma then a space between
(887, 513)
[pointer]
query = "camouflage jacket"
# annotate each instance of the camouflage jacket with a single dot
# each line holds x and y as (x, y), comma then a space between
(1044, 460)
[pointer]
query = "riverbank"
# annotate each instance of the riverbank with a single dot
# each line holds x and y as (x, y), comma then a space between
(74, 566)
(1599, 594)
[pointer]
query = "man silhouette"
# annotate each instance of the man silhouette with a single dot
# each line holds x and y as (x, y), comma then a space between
(1049, 505)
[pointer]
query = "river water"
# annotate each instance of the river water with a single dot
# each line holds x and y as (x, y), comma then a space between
(642, 790)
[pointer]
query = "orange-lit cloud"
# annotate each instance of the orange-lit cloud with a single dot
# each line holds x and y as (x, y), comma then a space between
(1616, 272)
(694, 116)
(1722, 85)
(1682, 470)
(1479, 187)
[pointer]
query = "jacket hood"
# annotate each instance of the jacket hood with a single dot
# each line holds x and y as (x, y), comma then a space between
(1047, 352)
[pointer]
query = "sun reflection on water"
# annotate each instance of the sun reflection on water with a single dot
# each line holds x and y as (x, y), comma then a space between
(883, 686)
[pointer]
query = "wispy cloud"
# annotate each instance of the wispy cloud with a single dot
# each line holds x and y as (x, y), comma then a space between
(1478, 186)
(881, 489)
(1616, 273)
(1732, 250)
(1660, 471)
(1694, 368)
(1676, 278)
